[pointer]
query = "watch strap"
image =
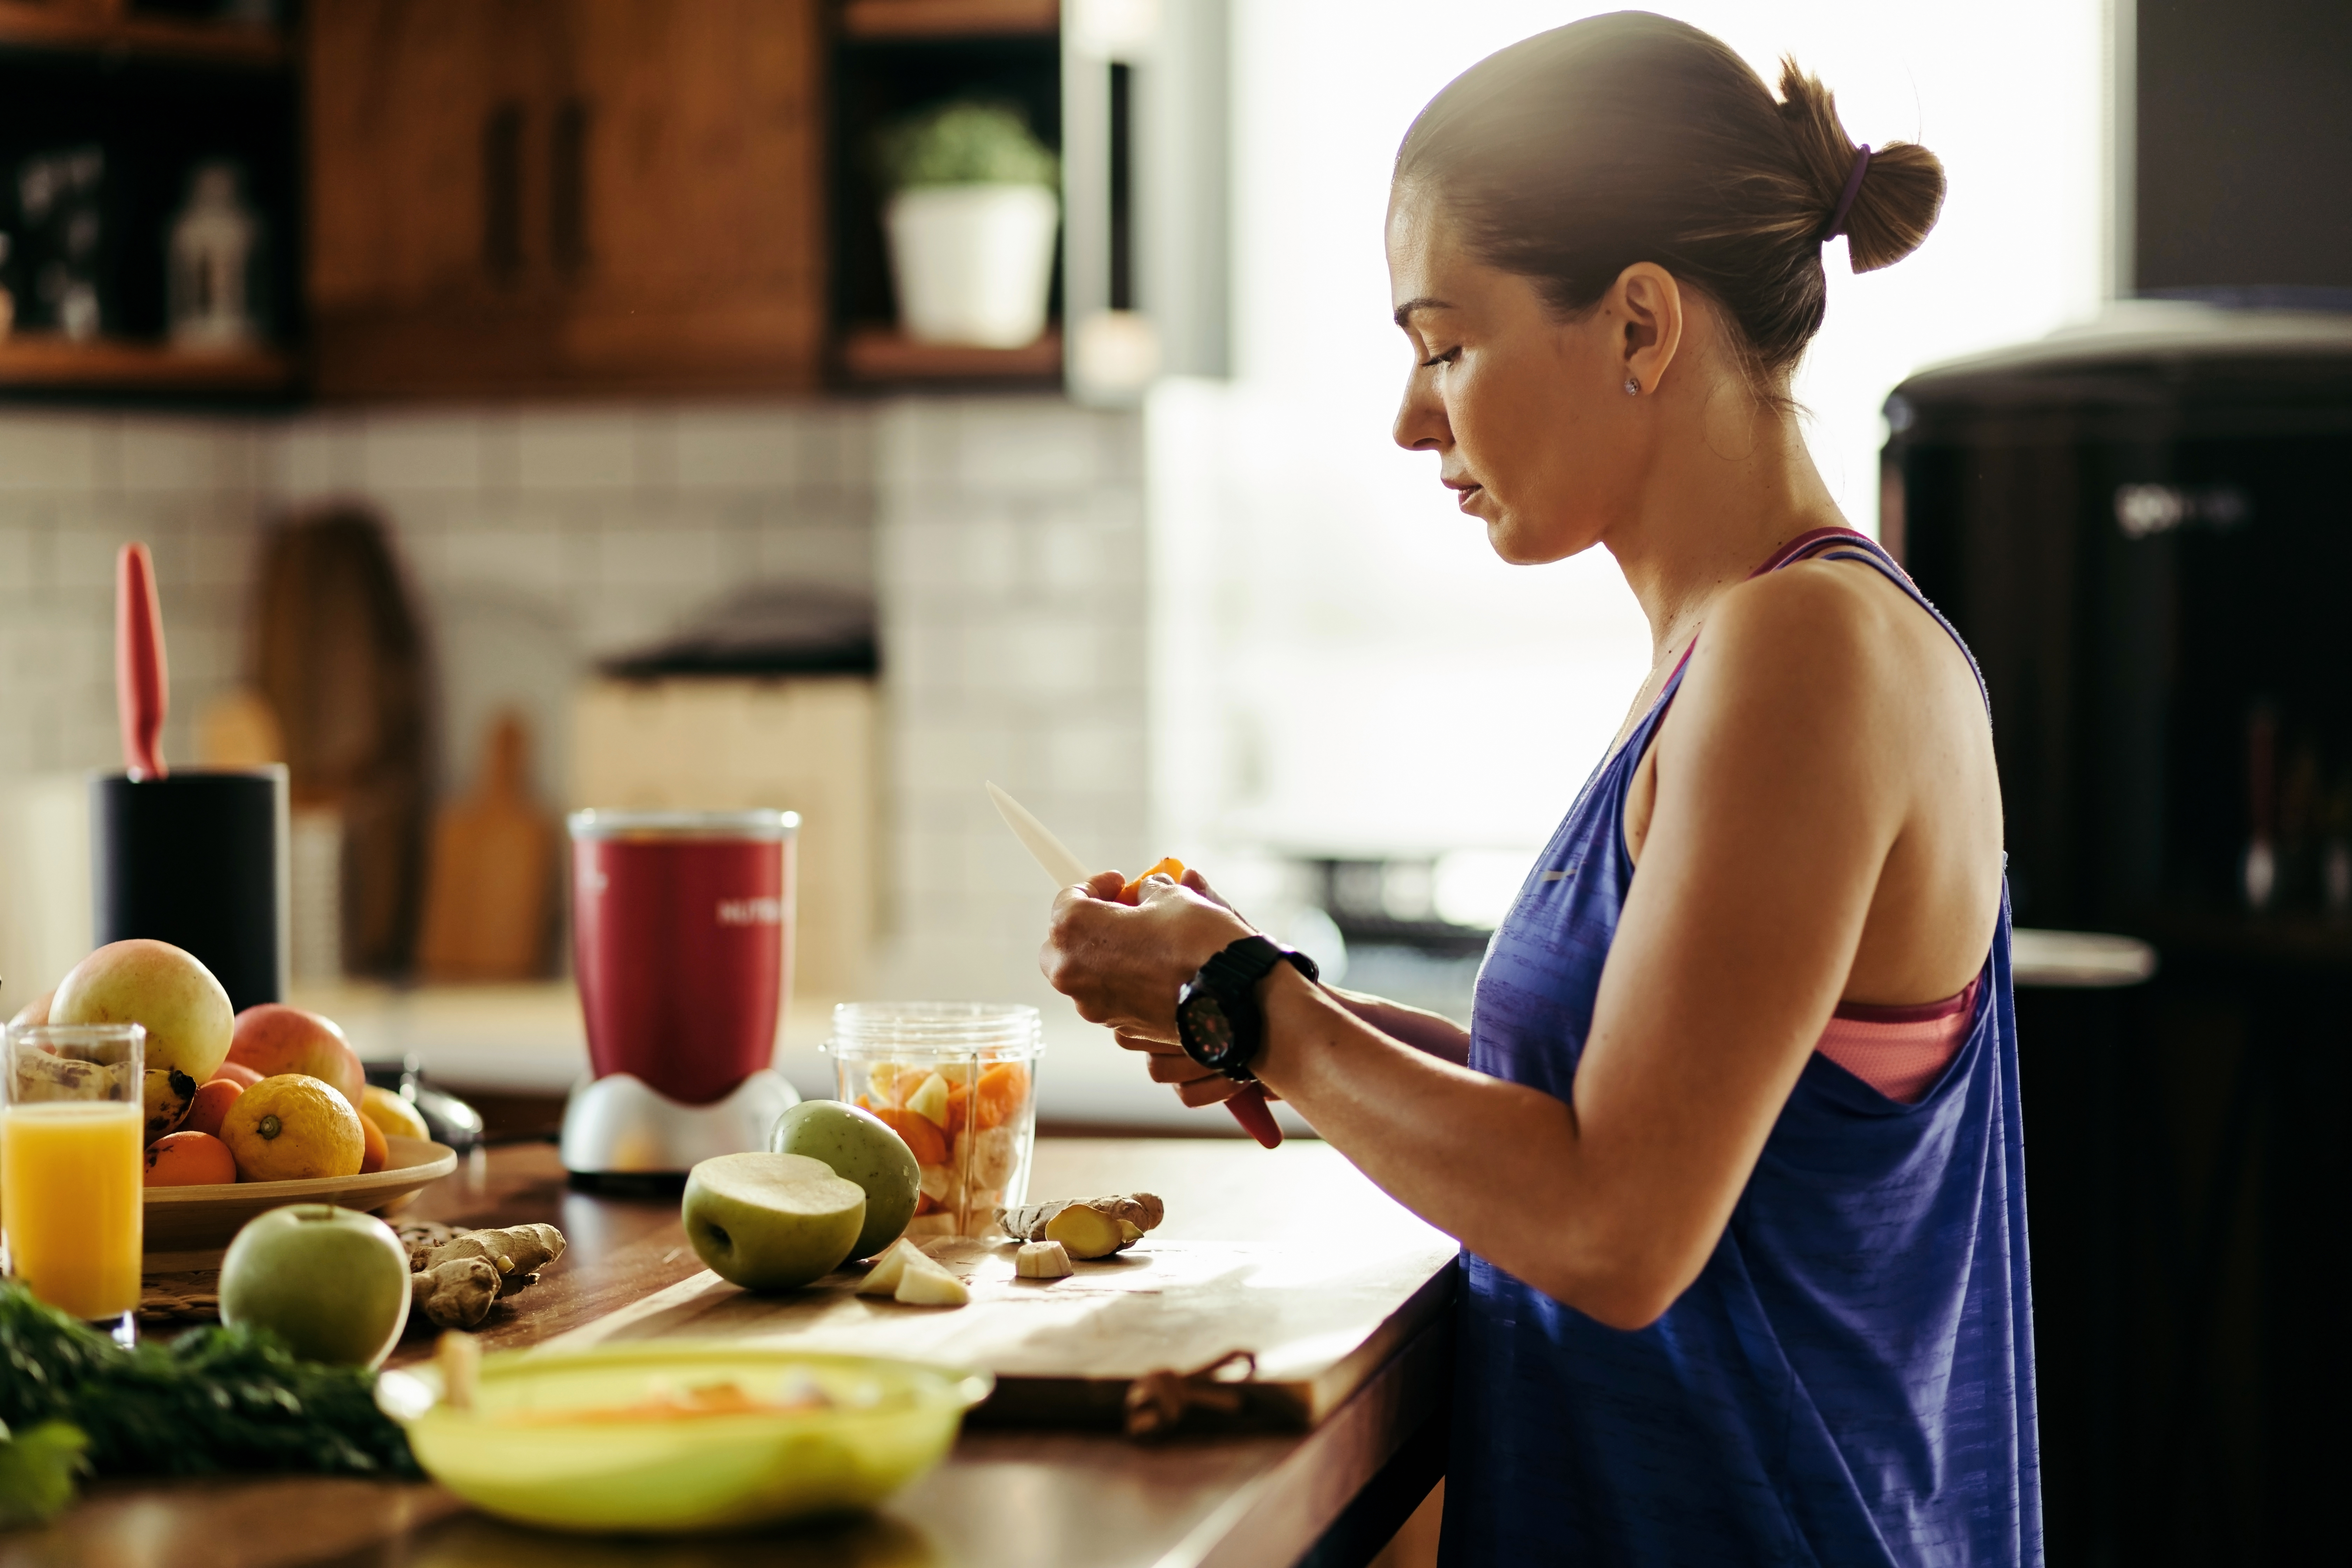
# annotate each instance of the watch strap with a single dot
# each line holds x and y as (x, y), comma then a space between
(1232, 975)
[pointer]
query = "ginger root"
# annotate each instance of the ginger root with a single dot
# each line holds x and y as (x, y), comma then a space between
(1105, 1226)
(456, 1275)
(456, 1294)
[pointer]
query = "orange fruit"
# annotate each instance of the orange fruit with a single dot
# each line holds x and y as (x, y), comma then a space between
(1169, 867)
(212, 1103)
(922, 1134)
(1001, 1089)
(388, 1110)
(375, 1153)
(189, 1159)
(294, 1128)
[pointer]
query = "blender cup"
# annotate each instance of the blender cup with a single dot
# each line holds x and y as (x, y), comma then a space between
(957, 1082)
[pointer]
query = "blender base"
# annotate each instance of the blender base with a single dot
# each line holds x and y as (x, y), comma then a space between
(619, 1125)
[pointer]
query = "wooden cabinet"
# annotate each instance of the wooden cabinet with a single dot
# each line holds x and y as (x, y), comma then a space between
(526, 196)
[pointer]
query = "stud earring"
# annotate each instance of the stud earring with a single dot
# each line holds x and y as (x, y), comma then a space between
(1633, 388)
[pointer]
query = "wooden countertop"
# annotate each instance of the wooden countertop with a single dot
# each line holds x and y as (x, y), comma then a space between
(1005, 1498)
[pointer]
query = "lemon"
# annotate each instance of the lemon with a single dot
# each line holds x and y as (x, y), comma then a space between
(293, 1128)
(389, 1111)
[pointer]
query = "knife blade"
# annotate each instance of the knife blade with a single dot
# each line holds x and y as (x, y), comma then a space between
(1248, 1104)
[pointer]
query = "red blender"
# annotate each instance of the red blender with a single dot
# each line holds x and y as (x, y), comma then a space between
(682, 933)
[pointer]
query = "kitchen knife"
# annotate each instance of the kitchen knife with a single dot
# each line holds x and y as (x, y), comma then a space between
(1248, 1105)
(142, 688)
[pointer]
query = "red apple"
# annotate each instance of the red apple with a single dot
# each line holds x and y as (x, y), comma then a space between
(242, 1077)
(273, 1038)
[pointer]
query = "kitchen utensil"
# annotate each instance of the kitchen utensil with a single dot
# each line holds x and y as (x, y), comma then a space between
(682, 926)
(198, 859)
(510, 1455)
(1293, 1255)
(142, 685)
(485, 907)
(974, 1153)
(1247, 1104)
(197, 1219)
(194, 859)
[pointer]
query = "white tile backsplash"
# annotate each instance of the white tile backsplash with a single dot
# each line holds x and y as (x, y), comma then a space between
(1002, 539)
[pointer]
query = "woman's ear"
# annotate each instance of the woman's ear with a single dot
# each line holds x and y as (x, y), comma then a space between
(1649, 304)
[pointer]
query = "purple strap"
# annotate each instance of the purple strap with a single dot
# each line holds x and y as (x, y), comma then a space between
(1845, 198)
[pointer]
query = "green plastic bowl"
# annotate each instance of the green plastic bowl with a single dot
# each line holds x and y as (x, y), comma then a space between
(890, 1422)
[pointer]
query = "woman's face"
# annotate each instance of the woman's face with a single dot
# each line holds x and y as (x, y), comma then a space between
(1528, 413)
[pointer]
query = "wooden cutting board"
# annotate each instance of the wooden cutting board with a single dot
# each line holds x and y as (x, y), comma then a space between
(1304, 1263)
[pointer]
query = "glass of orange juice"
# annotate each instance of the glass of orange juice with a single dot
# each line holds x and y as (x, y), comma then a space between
(72, 1177)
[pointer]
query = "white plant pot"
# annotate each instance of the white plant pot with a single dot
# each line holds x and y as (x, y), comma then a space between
(973, 263)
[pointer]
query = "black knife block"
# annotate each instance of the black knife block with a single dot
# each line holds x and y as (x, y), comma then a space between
(197, 860)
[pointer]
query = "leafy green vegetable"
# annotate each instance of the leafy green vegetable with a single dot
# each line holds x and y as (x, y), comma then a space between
(215, 1399)
(966, 143)
(37, 1469)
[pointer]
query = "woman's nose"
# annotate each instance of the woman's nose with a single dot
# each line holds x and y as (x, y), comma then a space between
(1421, 420)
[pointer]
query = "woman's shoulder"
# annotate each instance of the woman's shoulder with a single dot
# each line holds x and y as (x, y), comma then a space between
(1829, 642)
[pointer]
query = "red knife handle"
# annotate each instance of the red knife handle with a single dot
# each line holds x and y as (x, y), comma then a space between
(1249, 1108)
(141, 689)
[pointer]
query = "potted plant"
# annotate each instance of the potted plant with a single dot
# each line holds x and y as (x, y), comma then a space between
(971, 218)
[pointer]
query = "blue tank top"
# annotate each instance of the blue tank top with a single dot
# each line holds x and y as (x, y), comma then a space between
(1850, 1379)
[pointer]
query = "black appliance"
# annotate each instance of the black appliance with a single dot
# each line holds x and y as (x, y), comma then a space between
(2144, 529)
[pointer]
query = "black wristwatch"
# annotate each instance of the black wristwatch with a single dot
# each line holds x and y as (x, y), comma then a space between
(1218, 1019)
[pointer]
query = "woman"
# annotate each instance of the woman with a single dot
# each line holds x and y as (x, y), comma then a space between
(1732, 1143)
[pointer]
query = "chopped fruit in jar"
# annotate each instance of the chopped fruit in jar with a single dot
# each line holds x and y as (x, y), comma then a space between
(939, 1224)
(959, 1107)
(1170, 866)
(1002, 1091)
(993, 1156)
(936, 1181)
(923, 1135)
(931, 1100)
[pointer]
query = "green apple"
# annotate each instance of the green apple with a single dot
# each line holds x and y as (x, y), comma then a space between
(187, 1013)
(771, 1222)
(861, 1148)
(331, 1282)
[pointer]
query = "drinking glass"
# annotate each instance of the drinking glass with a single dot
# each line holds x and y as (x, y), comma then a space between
(72, 1177)
(957, 1082)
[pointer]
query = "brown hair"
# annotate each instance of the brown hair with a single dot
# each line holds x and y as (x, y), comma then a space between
(1630, 137)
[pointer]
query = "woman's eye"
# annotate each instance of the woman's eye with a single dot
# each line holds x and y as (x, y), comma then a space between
(1448, 357)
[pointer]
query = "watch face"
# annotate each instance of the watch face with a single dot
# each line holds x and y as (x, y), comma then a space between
(1202, 1024)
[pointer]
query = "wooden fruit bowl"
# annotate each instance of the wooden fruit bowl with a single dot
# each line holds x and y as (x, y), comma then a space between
(202, 1219)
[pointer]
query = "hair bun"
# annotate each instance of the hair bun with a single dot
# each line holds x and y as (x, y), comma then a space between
(1902, 191)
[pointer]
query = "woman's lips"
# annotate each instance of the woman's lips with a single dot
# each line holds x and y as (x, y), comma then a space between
(1464, 494)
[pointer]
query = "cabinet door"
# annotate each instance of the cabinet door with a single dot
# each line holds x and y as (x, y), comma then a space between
(419, 115)
(514, 196)
(698, 130)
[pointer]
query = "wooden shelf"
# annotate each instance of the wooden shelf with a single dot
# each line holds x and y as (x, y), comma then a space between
(878, 355)
(916, 19)
(35, 363)
(103, 28)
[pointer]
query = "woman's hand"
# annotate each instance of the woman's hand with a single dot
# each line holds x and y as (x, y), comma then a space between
(1123, 964)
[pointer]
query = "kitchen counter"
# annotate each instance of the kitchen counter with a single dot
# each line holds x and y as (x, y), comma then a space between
(526, 1042)
(1006, 1498)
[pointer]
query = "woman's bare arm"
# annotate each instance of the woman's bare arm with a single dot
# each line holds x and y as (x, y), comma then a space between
(1431, 1034)
(1785, 774)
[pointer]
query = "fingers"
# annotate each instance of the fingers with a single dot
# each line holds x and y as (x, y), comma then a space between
(1208, 1090)
(1134, 1040)
(1179, 1070)
(1104, 885)
(1200, 884)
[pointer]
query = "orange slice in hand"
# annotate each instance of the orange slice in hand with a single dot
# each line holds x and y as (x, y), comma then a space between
(1169, 867)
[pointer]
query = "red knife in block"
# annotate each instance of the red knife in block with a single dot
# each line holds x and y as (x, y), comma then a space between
(142, 688)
